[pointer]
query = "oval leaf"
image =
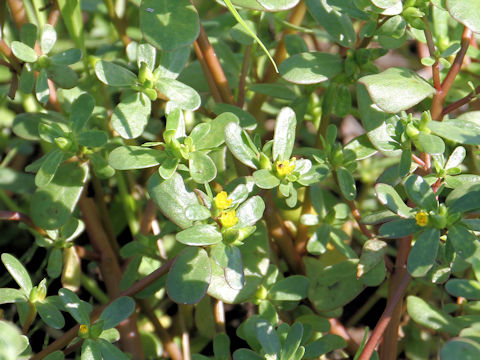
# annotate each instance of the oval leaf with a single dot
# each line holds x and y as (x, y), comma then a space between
(311, 67)
(130, 117)
(200, 235)
(397, 89)
(18, 272)
(189, 276)
(423, 253)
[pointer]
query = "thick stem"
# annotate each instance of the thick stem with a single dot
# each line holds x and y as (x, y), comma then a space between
(214, 67)
(431, 50)
(111, 273)
(439, 98)
(119, 24)
(459, 103)
(18, 12)
(140, 285)
(280, 235)
(208, 75)
(385, 320)
(390, 324)
(219, 314)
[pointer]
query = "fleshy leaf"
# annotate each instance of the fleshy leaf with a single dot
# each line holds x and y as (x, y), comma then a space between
(189, 276)
(397, 89)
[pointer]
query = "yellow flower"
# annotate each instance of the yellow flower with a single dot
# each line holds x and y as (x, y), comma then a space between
(228, 218)
(421, 218)
(221, 200)
(285, 167)
(83, 329)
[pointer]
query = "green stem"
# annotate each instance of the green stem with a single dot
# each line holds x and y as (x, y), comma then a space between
(128, 204)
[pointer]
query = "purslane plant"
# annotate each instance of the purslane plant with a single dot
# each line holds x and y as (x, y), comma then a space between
(192, 173)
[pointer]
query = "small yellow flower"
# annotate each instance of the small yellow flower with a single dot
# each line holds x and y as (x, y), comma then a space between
(421, 218)
(228, 218)
(83, 329)
(221, 201)
(285, 167)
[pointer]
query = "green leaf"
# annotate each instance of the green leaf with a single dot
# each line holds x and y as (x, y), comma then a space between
(117, 311)
(200, 235)
(234, 274)
(50, 314)
(460, 348)
(41, 87)
(268, 339)
(81, 111)
(467, 13)
(48, 39)
(431, 144)
(324, 345)
(361, 146)
(469, 289)
(23, 52)
(246, 354)
(134, 157)
(67, 57)
(172, 62)
(238, 143)
(27, 80)
(172, 197)
(49, 167)
(189, 276)
(423, 253)
(397, 89)
(384, 4)
(146, 53)
(221, 346)
(373, 253)
(334, 286)
(168, 168)
(79, 309)
(197, 212)
(240, 34)
(420, 192)
(292, 288)
(28, 34)
(53, 204)
(92, 138)
(91, 350)
(463, 241)
(464, 198)
(246, 120)
(62, 75)
(114, 75)
(56, 355)
(456, 157)
(264, 179)
(278, 5)
(337, 24)
(397, 229)
(216, 134)
(292, 342)
(430, 317)
(168, 25)
(461, 131)
(250, 212)
(18, 272)
(111, 352)
(311, 67)
(72, 16)
(387, 195)
(130, 116)
(380, 126)
(202, 168)
(284, 135)
(182, 95)
(346, 183)
(8, 295)
(101, 167)
(55, 263)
